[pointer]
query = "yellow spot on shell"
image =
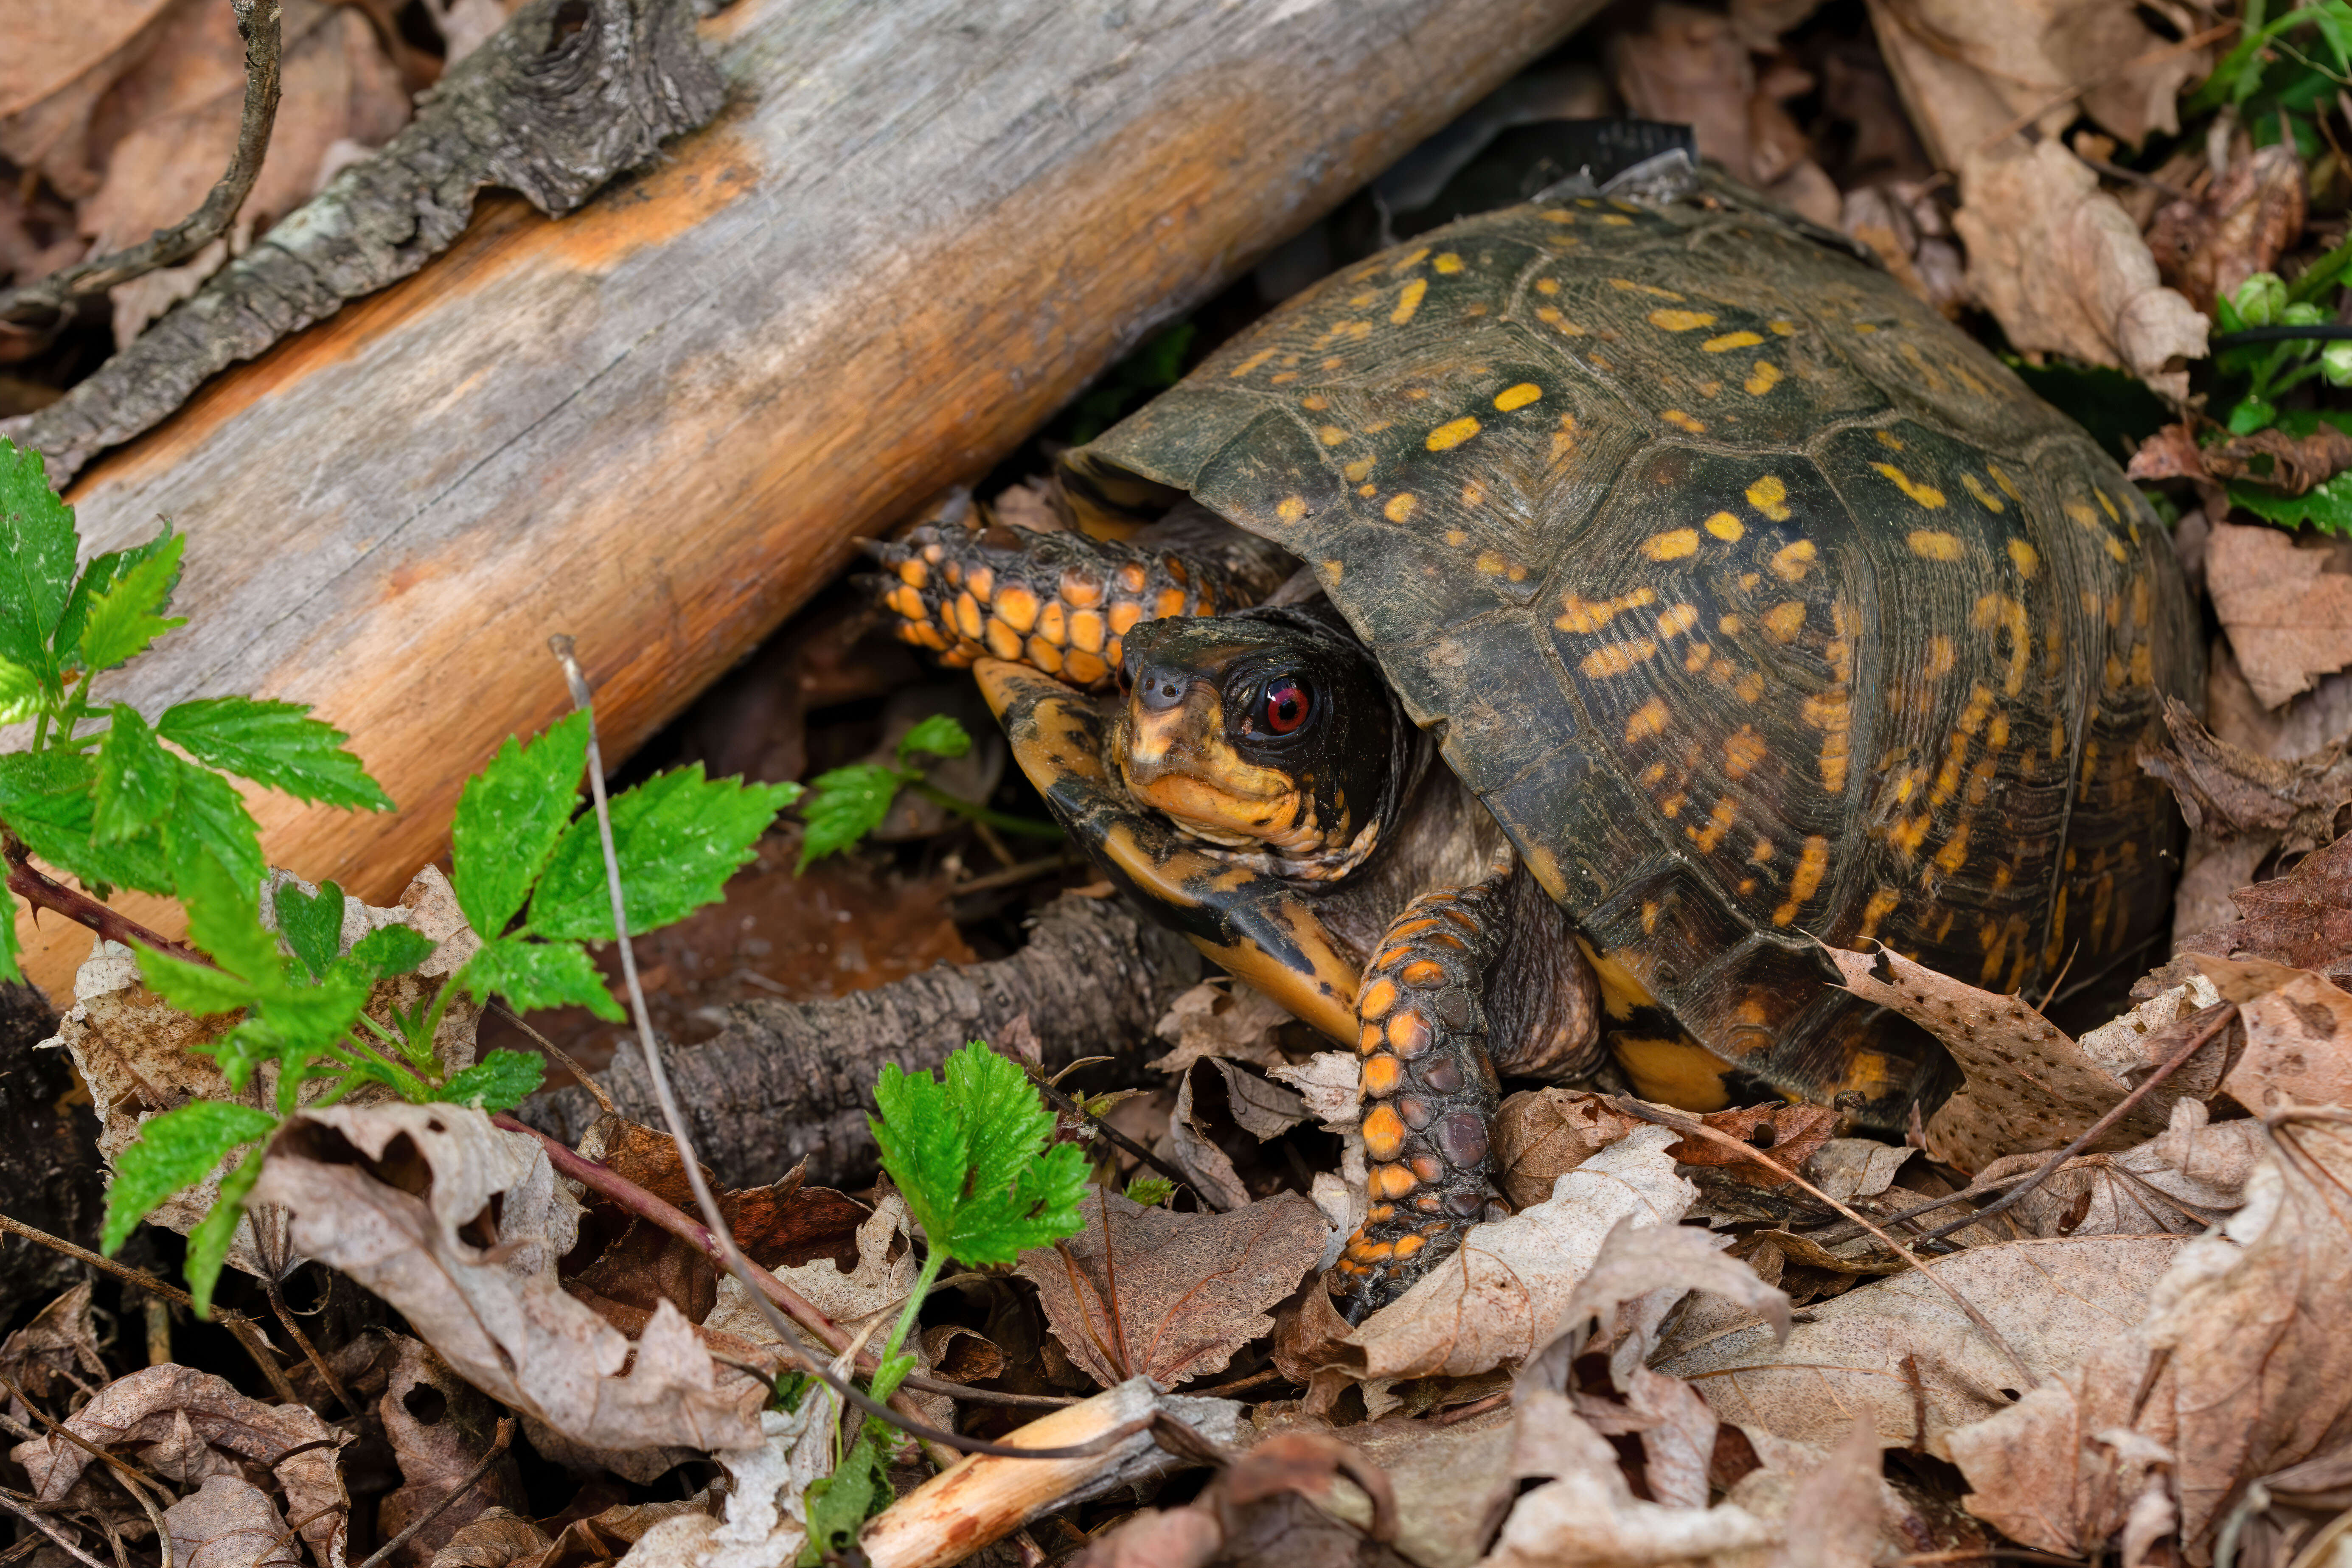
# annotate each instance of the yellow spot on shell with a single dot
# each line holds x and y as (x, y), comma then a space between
(1889, 439)
(1681, 421)
(1251, 362)
(1731, 626)
(1941, 657)
(1290, 509)
(2028, 560)
(1770, 497)
(1400, 506)
(1882, 904)
(1447, 262)
(1784, 329)
(1742, 750)
(1924, 495)
(1517, 396)
(1954, 855)
(1810, 866)
(1330, 434)
(1648, 719)
(1617, 658)
(1749, 686)
(1452, 433)
(1359, 471)
(1762, 854)
(1785, 620)
(1984, 498)
(1547, 285)
(1762, 379)
(1550, 317)
(1590, 615)
(1678, 620)
(1408, 301)
(1718, 823)
(1789, 562)
(1473, 493)
(1907, 834)
(1933, 544)
(2008, 487)
(1672, 545)
(1726, 527)
(1729, 340)
(1680, 321)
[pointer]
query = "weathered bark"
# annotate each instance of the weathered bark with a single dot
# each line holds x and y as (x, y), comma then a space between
(567, 95)
(786, 1081)
(659, 423)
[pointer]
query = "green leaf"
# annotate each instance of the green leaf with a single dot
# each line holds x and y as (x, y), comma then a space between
(277, 745)
(533, 974)
(677, 838)
(10, 946)
(49, 798)
(389, 950)
(193, 988)
(845, 805)
(840, 1504)
(497, 1082)
(103, 572)
(224, 920)
(208, 1243)
(20, 692)
(1150, 1190)
(138, 780)
(2328, 508)
(509, 819)
(311, 923)
(122, 620)
(965, 1152)
(173, 1152)
(38, 544)
(937, 736)
(211, 815)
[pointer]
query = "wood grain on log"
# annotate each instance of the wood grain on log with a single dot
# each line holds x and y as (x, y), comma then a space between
(658, 422)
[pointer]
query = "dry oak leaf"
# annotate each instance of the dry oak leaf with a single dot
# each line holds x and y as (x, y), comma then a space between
(2028, 1086)
(2228, 792)
(1277, 1503)
(2186, 1178)
(185, 1425)
(1441, 1475)
(489, 1305)
(2172, 453)
(2063, 267)
(55, 1351)
(2298, 1033)
(2208, 245)
(2288, 615)
(229, 1522)
(1540, 1133)
(441, 1428)
(1190, 1289)
(1507, 1290)
(495, 1538)
(1789, 1134)
(2059, 1469)
(2053, 1302)
(2303, 918)
(1227, 1020)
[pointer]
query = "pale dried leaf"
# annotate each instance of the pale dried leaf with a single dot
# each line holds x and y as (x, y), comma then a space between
(1509, 1288)
(1440, 1477)
(495, 1538)
(2063, 267)
(1637, 1277)
(1220, 1018)
(2289, 618)
(1850, 1168)
(2041, 1470)
(1191, 1288)
(2053, 1302)
(1540, 1133)
(647, 1533)
(1834, 1510)
(55, 1351)
(441, 1428)
(229, 1524)
(1261, 1109)
(495, 1313)
(2186, 1177)
(2298, 1030)
(1679, 1441)
(51, 42)
(1331, 1082)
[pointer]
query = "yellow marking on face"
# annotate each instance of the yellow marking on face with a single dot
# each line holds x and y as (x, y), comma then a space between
(1954, 853)
(1678, 620)
(1941, 656)
(1742, 750)
(1785, 620)
(1789, 563)
(1517, 396)
(1924, 495)
(1648, 719)
(1617, 657)
(1681, 421)
(1400, 506)
(1590, 615)
(1984, 498)
(1770, 497)
(1749, 686)
(1359, 471)
(1763, 378)
(1408, 301)
(1251, 362)
(1811, 865)
(1452, 433)
(1330, 434)
(1934, 544)
(1718, 823)
(1290, 509)
(1680, 321)
(1672, 545)
(1882, 904)
(1726, 527)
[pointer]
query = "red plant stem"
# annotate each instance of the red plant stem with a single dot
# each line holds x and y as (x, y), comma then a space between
(44, 892)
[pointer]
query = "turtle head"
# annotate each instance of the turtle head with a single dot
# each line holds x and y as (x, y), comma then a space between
(1255, 760)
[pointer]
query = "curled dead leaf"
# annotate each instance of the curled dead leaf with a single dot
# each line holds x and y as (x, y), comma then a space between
(1541, 1134)
(2188, 1177)
(229, 1522)
(2206, 246)
(2286, 605)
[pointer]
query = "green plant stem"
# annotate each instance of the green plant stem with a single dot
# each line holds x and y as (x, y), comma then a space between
(1028, 827)
(885, 1380)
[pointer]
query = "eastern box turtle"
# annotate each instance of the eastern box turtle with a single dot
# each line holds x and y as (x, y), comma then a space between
(1750, 606)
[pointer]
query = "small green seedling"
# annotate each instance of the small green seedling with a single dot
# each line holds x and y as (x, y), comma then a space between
(970, 1152)
(1152, 1191)
(846, 804)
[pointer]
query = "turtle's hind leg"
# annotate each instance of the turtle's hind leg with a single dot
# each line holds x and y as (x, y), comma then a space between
(1429, 1089)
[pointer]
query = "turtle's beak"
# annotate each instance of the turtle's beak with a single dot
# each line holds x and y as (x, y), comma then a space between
(1251, 922)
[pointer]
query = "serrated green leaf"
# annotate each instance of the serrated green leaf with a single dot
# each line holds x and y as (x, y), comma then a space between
(311, 923)
(965, 1152)
(274, 743)
(208, 1243)
(211, 815)
(676, 838)
(138, 780)
(533, 974)
(10, 946)
(225, 919)
(844, 806)
(49, 798)
(389, 950)
(937, 736)
(123, 619)
(1150, 1190)
(839, 1504)
(20, 692)
(173, 1152)
(198, 989)
(500, 1081)
(103, 572)
(509, 819)
(37, 544)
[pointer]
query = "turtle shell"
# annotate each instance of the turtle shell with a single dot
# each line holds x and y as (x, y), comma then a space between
(1761, 607)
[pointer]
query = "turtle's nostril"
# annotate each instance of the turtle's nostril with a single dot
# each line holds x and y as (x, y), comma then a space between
(1161, 690)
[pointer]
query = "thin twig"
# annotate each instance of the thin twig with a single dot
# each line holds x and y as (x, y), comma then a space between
(1692, 1126)
(562, 1058)
(44, 892)
(302, 1342)
(1011, 875)
(257, 25)
(1118, 1140)
(132, 1481)
(675, 1118)
(240, 1327)
(8, 1500)
(498, 1446)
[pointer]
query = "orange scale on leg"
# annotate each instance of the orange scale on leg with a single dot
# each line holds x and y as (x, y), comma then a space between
(1081, 589)
(980, 582)
(1406, 1246)
(1390, 1182)
(1044, 656)
(1085, 667)
(1426, 1168)
(1132, 579)
(1002, 641)
(1170, 603)
(1393, 956)
(967, 616)
(1123, 616)
(1409, 1036)
(1423, 975)
(1382, 1076)
(1376, 999)
(1383, 1133)
(1371, 1040)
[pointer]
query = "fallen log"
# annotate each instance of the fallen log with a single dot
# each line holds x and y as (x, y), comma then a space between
(658, 422)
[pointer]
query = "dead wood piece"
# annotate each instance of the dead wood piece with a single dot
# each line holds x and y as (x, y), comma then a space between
(788, 1082)
(568, 94)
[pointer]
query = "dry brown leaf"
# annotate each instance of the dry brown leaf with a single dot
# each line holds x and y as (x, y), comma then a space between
(489, 1305)
(2186, 1178)
(229, 1522)
(2303, 918)
(45, 117)
(2053, 1302)
(1260, 1109)
(1507, 1290)
(1837, 1507)
(51, 42)
(1543, 1132)
(2061, 266)
(2060, 1468)
(1441, 1475)
(2298, 1033)
(2292, 465)
(1905, 230)
(1789, 1134)
(184, 1425)
(2289, 616)
(495, 1538)
(1277, 1503)
(1971, 69)
(2243, 223)
(1212, 1019)
(1191, 1288)
(2028, 1086)
(441, 1428)
(1850, 1168)
(2228, 792)
(55, 1352)
(2172, 453)
(1192, 1148)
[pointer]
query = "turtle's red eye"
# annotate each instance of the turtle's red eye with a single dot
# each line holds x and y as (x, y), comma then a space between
(1286, 706)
